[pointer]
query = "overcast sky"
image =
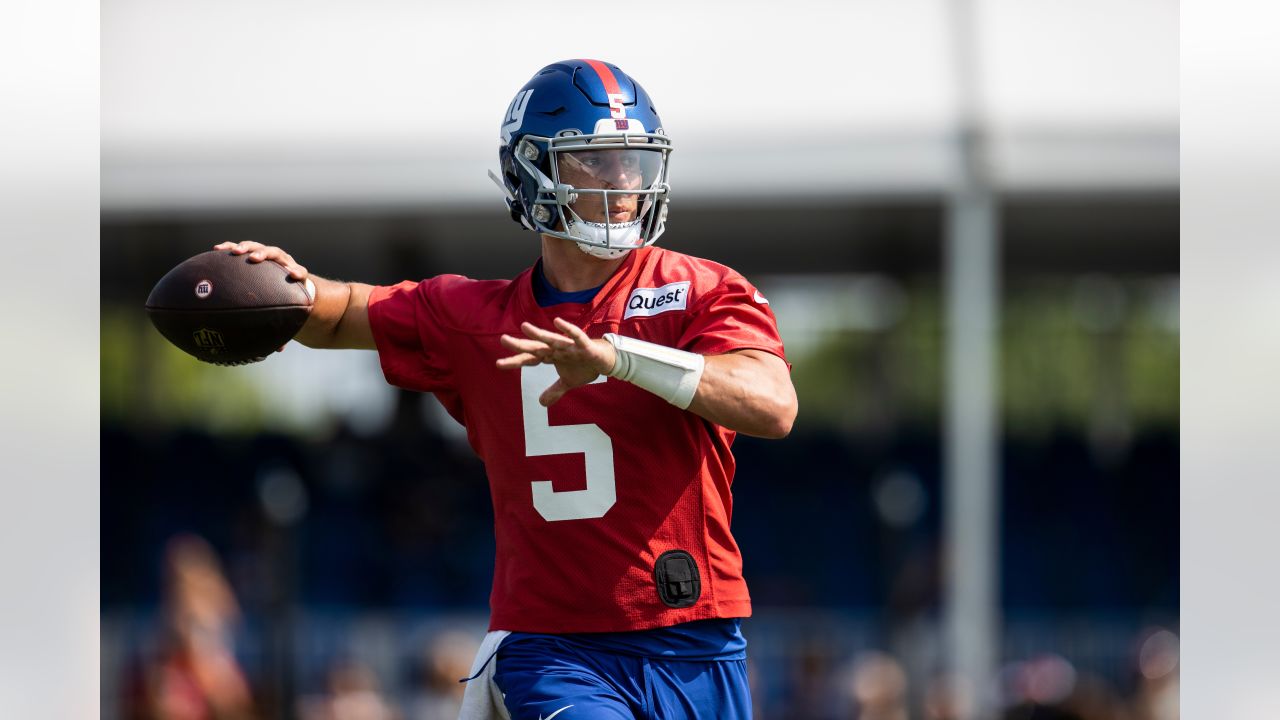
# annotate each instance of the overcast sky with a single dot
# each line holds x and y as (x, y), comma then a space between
(291, 99)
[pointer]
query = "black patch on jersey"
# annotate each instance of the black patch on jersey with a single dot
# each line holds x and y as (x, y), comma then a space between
(676, 574)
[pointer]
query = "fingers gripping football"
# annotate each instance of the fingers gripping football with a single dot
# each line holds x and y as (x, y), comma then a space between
(578, 358)
(258, 253)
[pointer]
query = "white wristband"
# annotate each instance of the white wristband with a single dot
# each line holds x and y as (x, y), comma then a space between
(671, 374)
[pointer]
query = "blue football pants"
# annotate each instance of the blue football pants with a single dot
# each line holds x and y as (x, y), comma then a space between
(545, 677)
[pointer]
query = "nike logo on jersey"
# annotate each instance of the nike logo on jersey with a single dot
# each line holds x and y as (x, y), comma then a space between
(566, 707)
(760, 298)
(646, 302)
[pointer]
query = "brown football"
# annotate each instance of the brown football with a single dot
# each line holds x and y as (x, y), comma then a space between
(223, 309)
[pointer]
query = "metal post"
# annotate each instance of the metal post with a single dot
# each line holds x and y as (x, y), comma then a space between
(971, 493)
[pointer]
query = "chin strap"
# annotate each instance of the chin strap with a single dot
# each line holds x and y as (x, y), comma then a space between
(592, 237)
(671, 374)
(603, 253)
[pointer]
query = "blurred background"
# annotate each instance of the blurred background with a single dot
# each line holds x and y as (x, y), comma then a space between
(296, 539)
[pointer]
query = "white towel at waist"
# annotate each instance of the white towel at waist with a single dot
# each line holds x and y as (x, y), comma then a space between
(482, 700)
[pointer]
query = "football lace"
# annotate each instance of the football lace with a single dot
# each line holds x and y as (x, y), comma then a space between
(234, 363)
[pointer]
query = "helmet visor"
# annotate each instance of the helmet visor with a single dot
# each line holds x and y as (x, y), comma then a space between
(614, 169)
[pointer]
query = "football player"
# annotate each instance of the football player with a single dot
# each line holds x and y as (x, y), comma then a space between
(603, 388)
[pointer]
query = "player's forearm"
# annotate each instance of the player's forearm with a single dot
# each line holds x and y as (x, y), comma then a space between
(749, 392)
(339, 316)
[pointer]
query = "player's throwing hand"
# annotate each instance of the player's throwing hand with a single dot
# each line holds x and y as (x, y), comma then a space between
(578, 358)
(258, 253)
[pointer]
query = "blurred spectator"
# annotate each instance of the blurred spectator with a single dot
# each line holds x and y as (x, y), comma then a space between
(879, 687)
(446, 661)
(1156, 697)
(945, 699)
(352, 693)
(1095, 699)
(1048, 687)
(1035, 689)
(194, 674)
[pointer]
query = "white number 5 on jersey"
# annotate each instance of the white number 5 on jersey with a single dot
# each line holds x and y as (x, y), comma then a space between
(543, 438)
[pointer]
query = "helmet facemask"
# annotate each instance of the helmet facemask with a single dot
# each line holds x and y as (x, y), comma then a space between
(606, 192)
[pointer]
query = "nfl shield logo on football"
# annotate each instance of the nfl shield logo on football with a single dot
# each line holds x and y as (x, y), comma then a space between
(207, 339)
(204, 289)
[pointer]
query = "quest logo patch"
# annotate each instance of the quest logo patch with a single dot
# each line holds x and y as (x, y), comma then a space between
(646, 302)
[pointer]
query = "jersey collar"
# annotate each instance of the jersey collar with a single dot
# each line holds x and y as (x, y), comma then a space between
(584, 313)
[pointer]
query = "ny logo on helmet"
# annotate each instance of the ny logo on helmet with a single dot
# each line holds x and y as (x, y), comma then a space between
(515, 114)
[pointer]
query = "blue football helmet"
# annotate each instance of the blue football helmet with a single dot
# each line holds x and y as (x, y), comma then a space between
(583, 157)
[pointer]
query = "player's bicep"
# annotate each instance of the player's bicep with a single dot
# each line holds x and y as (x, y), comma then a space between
(353, 330)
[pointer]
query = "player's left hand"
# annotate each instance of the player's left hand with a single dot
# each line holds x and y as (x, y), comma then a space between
(578, 358)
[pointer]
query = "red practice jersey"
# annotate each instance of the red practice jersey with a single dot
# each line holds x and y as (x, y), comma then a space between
(589, 493)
